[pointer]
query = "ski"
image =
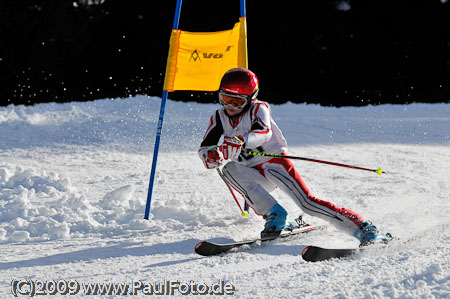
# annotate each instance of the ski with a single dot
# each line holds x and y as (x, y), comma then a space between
(207, 248)
(318, 254)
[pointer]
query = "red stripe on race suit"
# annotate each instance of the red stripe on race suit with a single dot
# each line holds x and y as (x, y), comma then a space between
(293, 173)
(260, 120)
(257, 108)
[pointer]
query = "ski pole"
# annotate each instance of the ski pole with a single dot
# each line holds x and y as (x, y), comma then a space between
(244, 213)
(377, 171)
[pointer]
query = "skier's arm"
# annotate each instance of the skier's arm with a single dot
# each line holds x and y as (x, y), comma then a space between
(214, 131)
(212, 157)
(261, 130)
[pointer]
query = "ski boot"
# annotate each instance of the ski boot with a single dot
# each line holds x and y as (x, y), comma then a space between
(368, 233)
(276, 222)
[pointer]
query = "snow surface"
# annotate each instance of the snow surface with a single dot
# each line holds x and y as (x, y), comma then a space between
(74, 179)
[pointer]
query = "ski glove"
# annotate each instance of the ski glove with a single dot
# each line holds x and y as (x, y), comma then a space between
(232, 146)
(212, 158)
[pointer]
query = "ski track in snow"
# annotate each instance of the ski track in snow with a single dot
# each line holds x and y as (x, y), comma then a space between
(74, 179)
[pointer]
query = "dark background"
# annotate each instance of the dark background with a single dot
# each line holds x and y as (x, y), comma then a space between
(302, 50)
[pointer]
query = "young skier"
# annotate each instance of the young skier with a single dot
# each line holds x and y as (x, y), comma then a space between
(244, 122)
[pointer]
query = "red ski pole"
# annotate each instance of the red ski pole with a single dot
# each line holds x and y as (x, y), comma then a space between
(377, 171)
(244, 213)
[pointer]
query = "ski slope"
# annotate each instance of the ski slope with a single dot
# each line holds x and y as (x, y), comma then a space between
(73, 188)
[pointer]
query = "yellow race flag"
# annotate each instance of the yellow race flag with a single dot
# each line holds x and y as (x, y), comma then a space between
(198, 60)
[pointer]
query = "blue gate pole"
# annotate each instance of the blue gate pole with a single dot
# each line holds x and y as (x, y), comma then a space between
(165, 93)
(243, 13)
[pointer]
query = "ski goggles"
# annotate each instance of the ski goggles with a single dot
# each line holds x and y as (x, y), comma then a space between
(236, 101)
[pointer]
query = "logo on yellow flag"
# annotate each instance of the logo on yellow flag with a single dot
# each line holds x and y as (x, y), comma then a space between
(195, 56)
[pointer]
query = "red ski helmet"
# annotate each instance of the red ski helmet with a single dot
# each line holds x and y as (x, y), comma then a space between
(239, 83)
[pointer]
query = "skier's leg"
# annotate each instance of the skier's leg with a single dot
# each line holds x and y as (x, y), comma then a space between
(256, 190)
(252, 185)
(283, 173)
